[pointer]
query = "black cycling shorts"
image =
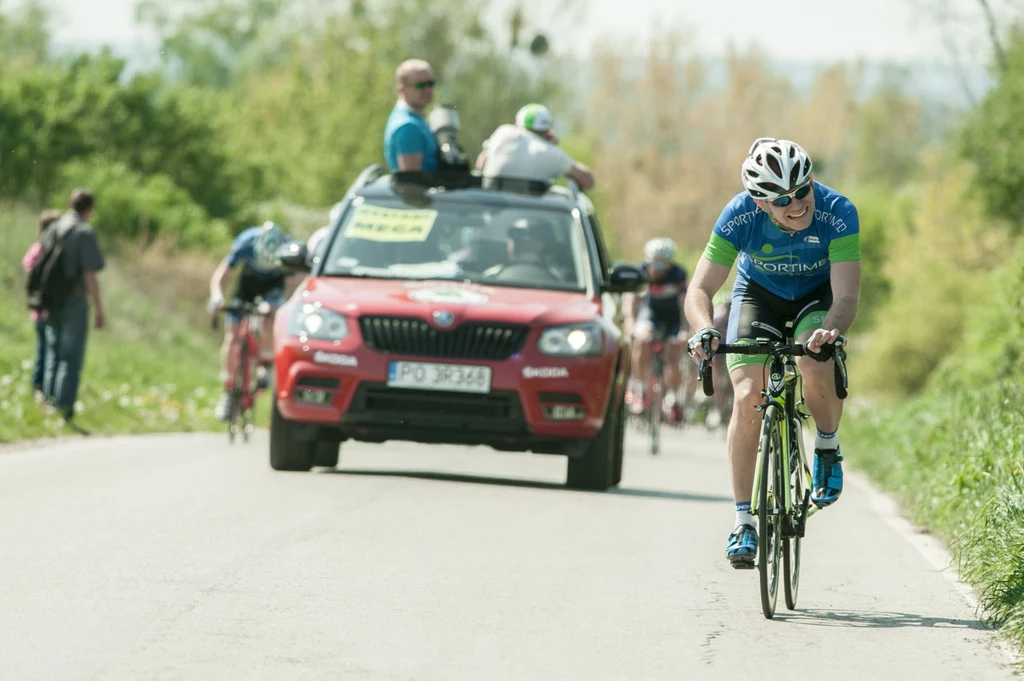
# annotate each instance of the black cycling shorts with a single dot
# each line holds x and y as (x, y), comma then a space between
(666, 326)
(759, 313)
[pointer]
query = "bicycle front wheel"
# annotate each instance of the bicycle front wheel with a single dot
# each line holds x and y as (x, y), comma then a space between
(237, 390)
(770, 509)
(657, 398)
(791, 545)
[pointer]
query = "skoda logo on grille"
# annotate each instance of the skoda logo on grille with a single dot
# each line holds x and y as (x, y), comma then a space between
(444, 318)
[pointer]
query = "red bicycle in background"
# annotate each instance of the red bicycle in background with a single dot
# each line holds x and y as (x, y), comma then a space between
(652, 412)
(241, 384)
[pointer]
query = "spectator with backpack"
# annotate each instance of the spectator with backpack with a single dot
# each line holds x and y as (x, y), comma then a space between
(61, 284)
(38, 317)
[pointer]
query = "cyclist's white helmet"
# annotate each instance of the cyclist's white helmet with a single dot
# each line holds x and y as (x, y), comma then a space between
(660, 249)
(775, 167)
(270, 238)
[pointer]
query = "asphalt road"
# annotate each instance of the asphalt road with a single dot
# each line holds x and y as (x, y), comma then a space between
(182, 557)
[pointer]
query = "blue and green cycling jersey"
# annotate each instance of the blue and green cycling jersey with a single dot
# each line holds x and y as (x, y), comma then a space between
(788, 265)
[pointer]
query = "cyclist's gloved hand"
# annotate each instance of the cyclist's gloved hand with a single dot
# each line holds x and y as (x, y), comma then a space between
(823, 343)
(695, 345)
(215, 304)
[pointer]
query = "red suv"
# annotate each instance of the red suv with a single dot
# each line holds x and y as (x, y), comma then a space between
(438, 310)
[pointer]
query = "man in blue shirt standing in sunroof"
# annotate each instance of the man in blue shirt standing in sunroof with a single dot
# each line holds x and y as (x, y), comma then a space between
(408, 142)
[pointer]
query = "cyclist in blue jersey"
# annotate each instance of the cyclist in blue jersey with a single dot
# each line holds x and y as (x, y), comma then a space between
(798, 246)
(660, 309)
(255, 249)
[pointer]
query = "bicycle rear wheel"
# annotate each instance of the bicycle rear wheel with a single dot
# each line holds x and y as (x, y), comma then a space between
(769, 509)
(791, 545)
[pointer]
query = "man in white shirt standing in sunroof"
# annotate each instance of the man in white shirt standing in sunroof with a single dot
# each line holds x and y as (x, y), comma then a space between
(529, 150)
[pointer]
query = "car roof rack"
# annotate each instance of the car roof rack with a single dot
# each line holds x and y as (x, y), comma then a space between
(441, 179)
(518, 185)
(413, 182)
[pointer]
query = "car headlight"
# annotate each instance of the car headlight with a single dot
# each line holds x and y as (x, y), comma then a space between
(573, 340)
(311, 320)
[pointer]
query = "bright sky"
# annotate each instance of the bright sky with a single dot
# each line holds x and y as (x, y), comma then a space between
(787, 29)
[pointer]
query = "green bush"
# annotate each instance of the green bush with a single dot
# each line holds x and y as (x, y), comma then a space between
(994, 337)
(882, 217)
(940, 247)
(134, 207)
(85, 107)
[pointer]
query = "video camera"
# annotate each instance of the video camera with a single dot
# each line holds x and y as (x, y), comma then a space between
(444, 123)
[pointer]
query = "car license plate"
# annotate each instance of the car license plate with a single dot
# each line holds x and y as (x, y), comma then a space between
(430, 376)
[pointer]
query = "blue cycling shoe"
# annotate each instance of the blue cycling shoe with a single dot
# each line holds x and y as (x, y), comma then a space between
(742, 547)
(827, 477)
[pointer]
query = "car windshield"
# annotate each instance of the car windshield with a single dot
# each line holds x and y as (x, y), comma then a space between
(494, 244)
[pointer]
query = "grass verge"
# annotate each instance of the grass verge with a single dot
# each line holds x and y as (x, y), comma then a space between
(955, 454)
(153, 369)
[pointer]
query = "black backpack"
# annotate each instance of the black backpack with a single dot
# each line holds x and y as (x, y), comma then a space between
(48, 285)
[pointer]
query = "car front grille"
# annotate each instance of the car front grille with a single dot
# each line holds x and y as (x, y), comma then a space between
(469, 410)
(472, 340)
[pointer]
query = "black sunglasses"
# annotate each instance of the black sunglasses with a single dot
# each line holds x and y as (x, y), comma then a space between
(800, 193)
(424, 84)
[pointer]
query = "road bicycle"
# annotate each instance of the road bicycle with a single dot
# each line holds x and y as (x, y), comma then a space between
(782, 507)
(241, 384)
(653, 415)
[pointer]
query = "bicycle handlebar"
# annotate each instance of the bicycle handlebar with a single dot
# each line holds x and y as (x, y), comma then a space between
(242, 308)
(776, 349)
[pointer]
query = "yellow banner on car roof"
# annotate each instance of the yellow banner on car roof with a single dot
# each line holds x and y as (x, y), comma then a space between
(375, 223)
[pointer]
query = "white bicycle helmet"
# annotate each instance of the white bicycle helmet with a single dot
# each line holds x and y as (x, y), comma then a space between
(270, 238)
(774, 168)
(660, 249)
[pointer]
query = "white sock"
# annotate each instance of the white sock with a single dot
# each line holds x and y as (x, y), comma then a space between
(826, 440)
(744, 518)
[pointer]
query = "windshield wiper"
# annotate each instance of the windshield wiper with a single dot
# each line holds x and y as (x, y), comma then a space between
(357, 275)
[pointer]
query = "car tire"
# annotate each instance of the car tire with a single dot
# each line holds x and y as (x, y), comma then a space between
(619, 443)
(595, 469)
(286, 452)
(326, 453)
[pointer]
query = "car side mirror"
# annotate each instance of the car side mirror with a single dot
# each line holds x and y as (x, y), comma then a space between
(294, 256)
(624, 278)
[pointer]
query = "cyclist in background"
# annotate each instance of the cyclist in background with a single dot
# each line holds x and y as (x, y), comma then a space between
(798, 245)
(261, 274)
(660, 308)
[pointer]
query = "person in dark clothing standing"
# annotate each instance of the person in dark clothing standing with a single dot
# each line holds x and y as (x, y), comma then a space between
(67, 327)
